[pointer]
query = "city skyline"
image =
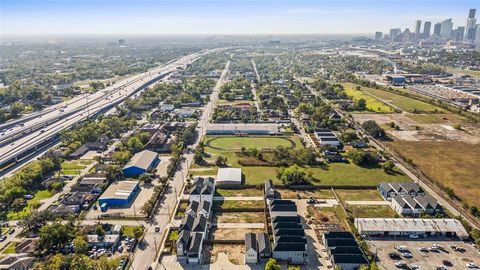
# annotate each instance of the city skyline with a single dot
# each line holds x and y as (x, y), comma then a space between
(222, 17)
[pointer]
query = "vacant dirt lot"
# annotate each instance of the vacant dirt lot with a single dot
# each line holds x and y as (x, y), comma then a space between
(235, 252)
(452, 164)
(425, 127)
(232, 234)
(305, 194)
(240, 217)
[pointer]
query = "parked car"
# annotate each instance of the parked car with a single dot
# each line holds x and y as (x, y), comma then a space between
(413, 236)
(407, 255)
(471, 265)
(394, 256)
(415, 267)
(423, 249)
(401, 248)
(401, 264)
(447, 263)
(3, 238)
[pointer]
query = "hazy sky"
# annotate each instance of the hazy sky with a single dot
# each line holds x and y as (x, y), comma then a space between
(223, 16)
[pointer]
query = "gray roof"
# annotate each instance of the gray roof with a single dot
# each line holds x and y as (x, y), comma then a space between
(187, 223)
(200, 224)
(195, 243)
(350, 259)
(226, 175)
(183, 237)
(418, 202)
(381, 225)
(277, 219)
(287, 225)
(263, 243)
(143, 159)
(400, 187)
(268, 185)
(283, 208)
(251, 242)
(289, 247)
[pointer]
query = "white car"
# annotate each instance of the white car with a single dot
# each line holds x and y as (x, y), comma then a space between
(471, 265)
(423, 249)
(400, 264)
(413, 236)
(401, 248)
(407, 255)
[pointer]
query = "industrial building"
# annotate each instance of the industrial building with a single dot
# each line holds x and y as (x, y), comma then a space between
(119, 195)
(229, 177)
(408, 226)
(140, 163)
(243, 129)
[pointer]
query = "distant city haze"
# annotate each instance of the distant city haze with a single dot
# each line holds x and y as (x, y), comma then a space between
(145, 17)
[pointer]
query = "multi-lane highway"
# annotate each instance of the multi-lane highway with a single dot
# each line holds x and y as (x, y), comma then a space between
(22, 138)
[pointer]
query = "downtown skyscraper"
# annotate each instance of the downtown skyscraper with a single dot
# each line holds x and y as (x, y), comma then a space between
(471, 26)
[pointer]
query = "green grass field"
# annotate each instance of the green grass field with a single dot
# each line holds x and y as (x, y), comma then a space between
(74, 167)
(129, 229)
(474, 73)
(239, 193)
(10, 249)
(263, 142)
(373, 104)
(336, 174)
(40, 195)
(359, 195)
(402, 102)
(371, 211)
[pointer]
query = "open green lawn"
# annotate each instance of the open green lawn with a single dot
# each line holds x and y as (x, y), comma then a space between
(336, 174)
(371, 211)
(129, 229)
(251, 192)
(261, 142)
(359, 195)
(404, 103)
(74, 167)
(373, 104)
(474, 73)
(238, 204)
(10, 249)
(40, 195)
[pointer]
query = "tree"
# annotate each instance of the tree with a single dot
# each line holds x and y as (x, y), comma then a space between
(134, 144)
(221, 161)
(373, 129)
(80, 244)
(55, 235)
(361, 104)
(294, 175)
(138, 232)
(272, 265)
(388, 166)
(362, 158)
(99, 230)
(254, 152)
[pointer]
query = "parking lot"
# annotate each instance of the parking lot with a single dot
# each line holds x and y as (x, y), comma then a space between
(445, 256)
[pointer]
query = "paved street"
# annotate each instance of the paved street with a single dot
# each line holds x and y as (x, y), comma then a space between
(145, 255)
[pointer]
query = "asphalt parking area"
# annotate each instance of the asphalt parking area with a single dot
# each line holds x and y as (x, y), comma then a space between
(428, 259)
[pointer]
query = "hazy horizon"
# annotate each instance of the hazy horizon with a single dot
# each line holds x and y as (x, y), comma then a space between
(217, 17)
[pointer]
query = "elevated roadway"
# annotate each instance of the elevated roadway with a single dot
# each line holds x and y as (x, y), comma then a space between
(21, 138)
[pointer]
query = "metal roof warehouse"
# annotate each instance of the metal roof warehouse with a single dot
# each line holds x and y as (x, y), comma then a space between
(406, 226)
(140, 163)
(120, 194)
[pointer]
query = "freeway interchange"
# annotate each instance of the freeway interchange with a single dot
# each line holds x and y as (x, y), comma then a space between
(23, 138)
